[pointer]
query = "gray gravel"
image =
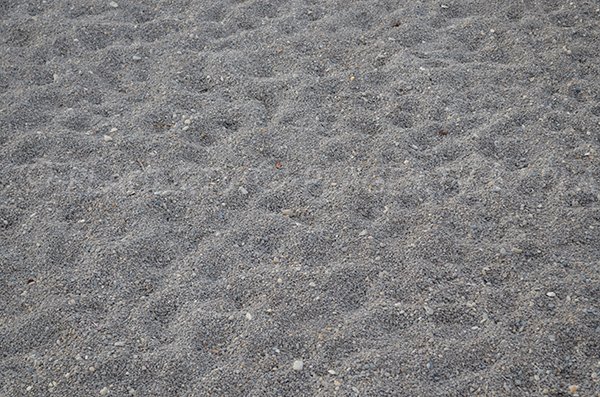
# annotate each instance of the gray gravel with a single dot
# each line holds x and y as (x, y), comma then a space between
(197, 196)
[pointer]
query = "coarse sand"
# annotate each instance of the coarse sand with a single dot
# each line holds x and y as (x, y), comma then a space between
(299, 198)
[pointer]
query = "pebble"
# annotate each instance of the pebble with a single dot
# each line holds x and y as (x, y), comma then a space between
(428, 310)
(243, 190)
(104, 391)
(332, 372)
(120, 344)
(107, 138)
(298, 365)
(136, 58)
(248, 316)
(287, 212)
(551, 294)
(113, 4)
(363, 233)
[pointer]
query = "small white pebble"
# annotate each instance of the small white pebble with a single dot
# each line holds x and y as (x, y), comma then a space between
(104, 391)
(243, 190)
(113, 4)
(248, 316)
(107, 138)
(551, 294)
(119, 344)
(114, 129)
(298, 365)
(187, 121)
(332, 372)
(136, 58)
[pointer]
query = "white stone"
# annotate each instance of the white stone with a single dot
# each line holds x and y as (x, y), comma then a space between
(298, 365)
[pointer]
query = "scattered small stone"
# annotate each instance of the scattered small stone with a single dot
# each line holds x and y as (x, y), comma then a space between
(363, 233)
(312, 284)
(113, 4)
(187, 121)
(573, 389)
(332, 372)
(287, 212)
(551, 294)
(104, 391)
(243, 190)
(248, 316)
(119, 344)
(29, 388)
(114, 129)
(108, 138)
(428, 310)
(136, 58)
(298, 365)
(92, 369)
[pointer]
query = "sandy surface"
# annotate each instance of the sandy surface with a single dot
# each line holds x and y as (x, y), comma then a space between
(299, 198)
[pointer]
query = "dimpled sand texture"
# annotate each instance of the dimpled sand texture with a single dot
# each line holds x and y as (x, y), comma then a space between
(299, 198)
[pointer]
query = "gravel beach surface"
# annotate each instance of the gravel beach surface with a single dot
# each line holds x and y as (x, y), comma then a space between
(299, 198)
